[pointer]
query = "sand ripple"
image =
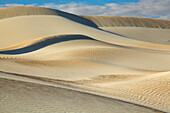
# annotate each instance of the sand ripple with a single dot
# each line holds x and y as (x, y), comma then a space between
(49, 55)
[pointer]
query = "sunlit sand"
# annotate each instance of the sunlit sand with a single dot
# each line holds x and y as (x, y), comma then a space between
(53, 61)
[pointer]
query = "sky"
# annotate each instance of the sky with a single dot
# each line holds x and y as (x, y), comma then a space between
(135, 8)
(89, 2)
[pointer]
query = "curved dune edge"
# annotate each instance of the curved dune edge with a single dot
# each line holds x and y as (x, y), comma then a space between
(152, 90)
(153, 35)
(28, 85)
(39, 43)
(120, 95)
(56, 49)
(94, 21)
(56, 25)
(25, 11)
(118, 21)
(131, 89)
(90, 51)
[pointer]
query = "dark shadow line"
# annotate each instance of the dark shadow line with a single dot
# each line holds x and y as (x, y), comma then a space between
(44, 43)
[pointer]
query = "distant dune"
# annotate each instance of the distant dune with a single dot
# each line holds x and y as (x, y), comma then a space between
(53, 61)
(100, 21)
(117, 21)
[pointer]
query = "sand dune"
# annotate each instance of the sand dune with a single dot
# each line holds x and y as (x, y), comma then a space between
(143, 34)
(21, 11)
(94, 21)
(25, 100)
(149, 90)
(117, 21)
(94, 63)
(50, 26)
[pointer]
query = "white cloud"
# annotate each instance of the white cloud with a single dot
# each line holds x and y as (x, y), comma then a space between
(13, 5)
(143, 8)
(16, 5)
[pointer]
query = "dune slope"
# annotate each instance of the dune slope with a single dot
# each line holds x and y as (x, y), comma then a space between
(93, 63)
(153, 35)
(21, 11)
(25, 100)
(117, 21)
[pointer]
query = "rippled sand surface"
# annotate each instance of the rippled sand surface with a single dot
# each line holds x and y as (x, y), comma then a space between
(53, 61)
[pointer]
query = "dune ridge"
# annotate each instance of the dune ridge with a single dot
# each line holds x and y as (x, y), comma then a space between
(118, 21)
(21, 11)
(143, 34)
(156, 85)
(94, 21)
(58, 93)
(47, 56)
(40, 43)
(57, 25)
(87, 86)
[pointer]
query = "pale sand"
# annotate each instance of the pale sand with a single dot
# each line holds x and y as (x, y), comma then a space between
(143, 34)
(94, 21)
(26, 97)
(120, 63)
(123, 21)
(29, 28)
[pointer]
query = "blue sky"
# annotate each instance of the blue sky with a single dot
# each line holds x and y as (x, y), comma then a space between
(134, 8)
(90, 2)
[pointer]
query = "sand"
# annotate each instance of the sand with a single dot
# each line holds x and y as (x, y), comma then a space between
(28, 97)
(53, 61)
(143, 34)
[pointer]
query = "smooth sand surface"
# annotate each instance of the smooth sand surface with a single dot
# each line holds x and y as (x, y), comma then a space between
(123, 21)
(51, 63)
(29, 28)
(26, 11)
(140, 33)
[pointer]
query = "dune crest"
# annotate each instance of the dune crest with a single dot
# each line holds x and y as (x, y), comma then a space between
(117, 21)
(26, 11)
(94, 21)
(47, 56)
